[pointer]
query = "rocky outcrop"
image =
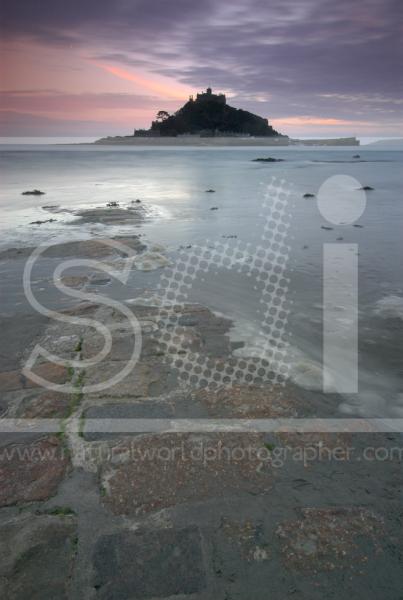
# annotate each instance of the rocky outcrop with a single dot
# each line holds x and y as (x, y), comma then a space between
(209, 116)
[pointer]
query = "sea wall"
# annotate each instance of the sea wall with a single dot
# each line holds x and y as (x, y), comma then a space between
(223, 141)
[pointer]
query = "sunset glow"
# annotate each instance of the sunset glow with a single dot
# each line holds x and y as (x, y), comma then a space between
(110, 70)
(164, 90)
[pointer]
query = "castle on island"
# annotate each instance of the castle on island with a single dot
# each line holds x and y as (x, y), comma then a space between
(208, 115)
(208, 96)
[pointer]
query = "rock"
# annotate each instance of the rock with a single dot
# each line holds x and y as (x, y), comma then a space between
(210, 191)
(48, 405)
(269, 159)
(41, 222)
(37, 554)
(179, 468)
(188, 320)
(214, 208)
(308, 195)
(325, 539)
(32, 472)
(12, 380)
(326, 227)
(145, 380)
(356, 156)
(150, 261)
(15, 380)
(74, 281)
(117, 216)
(99, 280)
(56, 209)
(154, 564)
(245, 539)
(33, 193)
(250, 401)
(95, 248)
(366, 188)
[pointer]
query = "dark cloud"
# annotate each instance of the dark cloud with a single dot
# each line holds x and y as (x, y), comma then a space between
(296, 51)
(52, 18)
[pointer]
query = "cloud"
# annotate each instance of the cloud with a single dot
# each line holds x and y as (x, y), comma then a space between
(26, 124)
(54, 101)
(100, 113)
(310, 120)
(365, 98)
(332, 59)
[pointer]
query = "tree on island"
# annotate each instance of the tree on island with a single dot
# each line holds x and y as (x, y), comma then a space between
(162, 115)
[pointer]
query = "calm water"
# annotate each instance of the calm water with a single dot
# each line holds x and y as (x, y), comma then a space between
(171, 183)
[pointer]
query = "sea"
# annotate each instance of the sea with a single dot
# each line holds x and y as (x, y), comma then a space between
(239, 218)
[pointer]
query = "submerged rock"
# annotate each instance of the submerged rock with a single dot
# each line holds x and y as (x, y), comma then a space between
(326, 227)
(210, 191)
(150, 261)
(117, 216)
(41, 222)
(366, 188)
(356, 156)
(33, 193)
(214, 208)
(268, 159)
(308, 195)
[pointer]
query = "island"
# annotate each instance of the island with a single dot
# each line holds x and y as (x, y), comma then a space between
(208, 120)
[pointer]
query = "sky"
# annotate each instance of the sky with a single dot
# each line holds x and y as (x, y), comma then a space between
(104, 67)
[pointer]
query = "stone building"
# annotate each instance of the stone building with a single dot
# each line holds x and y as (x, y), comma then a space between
(208, 96)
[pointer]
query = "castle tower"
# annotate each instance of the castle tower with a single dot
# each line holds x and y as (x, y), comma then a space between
(209, 96)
